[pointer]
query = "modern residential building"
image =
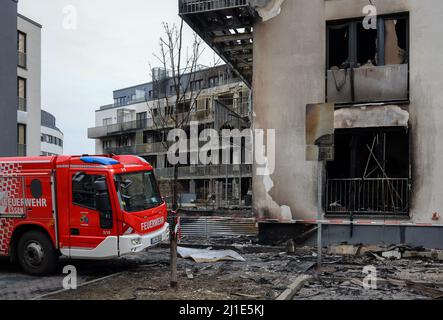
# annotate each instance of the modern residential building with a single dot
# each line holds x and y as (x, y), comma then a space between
(51, 136)
(385, 182)
(28, 77)
(8, 78)
(131, 126)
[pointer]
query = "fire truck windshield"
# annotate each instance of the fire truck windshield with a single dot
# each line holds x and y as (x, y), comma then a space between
(138, 191)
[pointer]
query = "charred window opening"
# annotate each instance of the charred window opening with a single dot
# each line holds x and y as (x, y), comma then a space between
(396, 41)
(351, 45)
(370, 173)
(338, 46)
(366, 45)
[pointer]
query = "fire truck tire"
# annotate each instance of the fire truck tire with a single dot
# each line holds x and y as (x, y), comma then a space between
(36, 254)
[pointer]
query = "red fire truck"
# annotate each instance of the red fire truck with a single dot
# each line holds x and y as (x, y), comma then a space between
(82, 207)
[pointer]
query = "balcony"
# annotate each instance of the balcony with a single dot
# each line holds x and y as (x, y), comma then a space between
(373, 196)
(22, 59)
(22, 104)
(368, 84)
(203, 172)
(226, 26)
(147, 124)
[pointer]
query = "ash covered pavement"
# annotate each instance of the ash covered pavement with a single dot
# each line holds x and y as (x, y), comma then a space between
(268, 273)
(401, 273)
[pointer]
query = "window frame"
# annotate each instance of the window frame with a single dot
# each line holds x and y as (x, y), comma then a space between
(353, 40)
(101, 175)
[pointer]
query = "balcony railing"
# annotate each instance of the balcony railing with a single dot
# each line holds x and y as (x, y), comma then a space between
(144, 124)
(212, 171)
(368, 196)
(196, 6)
(21, 104)
(368, 84)
(22, 59)
(21, 150)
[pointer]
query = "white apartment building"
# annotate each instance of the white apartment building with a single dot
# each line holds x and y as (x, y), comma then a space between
(51, 136)
(28, 86)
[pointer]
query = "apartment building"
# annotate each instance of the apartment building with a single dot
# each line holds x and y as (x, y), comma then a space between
(384, 183)
(219, 100)
(51, 137)
(28, 35)
(8, 78)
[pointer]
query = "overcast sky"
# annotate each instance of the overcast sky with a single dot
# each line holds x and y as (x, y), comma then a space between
(110, 48)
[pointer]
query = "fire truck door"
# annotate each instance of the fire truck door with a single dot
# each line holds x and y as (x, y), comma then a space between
(91, 218)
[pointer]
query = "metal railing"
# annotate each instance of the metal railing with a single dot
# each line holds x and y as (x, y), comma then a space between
(22, 104)
(22, 59)
(209, 226)
(368, 196)
(143, 124)
(195, 6)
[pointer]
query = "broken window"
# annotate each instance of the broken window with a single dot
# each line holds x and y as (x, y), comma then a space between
(366, 46)
(351, 45)
(338, 46)
(370, 173)
(396, 41)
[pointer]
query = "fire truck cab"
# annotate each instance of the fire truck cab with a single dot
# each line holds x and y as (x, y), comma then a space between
(82, 207)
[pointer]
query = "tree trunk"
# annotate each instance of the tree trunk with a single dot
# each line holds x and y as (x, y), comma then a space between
(174, 240)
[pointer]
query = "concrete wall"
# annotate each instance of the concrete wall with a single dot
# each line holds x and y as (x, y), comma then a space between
(33, 75)
(289, 68)
(8, 78)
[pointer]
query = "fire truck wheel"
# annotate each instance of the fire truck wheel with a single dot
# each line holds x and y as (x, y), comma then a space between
(36, 254)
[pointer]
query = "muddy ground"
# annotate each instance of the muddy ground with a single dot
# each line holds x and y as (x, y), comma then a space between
(266, 273)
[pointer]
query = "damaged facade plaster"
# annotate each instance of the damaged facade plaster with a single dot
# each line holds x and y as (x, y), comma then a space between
(370, 116)
(289, 72)
(267, 9)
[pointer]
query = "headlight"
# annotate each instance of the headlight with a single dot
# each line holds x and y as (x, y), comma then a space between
(136, 241)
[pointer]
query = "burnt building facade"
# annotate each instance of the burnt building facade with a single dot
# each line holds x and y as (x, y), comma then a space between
(379, 66)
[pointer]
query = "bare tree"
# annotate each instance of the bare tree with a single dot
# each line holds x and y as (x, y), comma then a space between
(179, 64)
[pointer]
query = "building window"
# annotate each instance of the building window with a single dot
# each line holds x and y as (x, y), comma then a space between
(21, 49)
(21, 94)
(213, 81)
(196, 85)
(107, 121)
(83, 192)
(351, 45)
(21, 139)
(142, 118)
(107, 144)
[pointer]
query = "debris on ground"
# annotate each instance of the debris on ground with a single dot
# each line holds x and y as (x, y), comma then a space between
(208, 255)
(253, 272)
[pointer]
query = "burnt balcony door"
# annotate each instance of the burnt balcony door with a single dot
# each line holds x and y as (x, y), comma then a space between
(370, 174)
